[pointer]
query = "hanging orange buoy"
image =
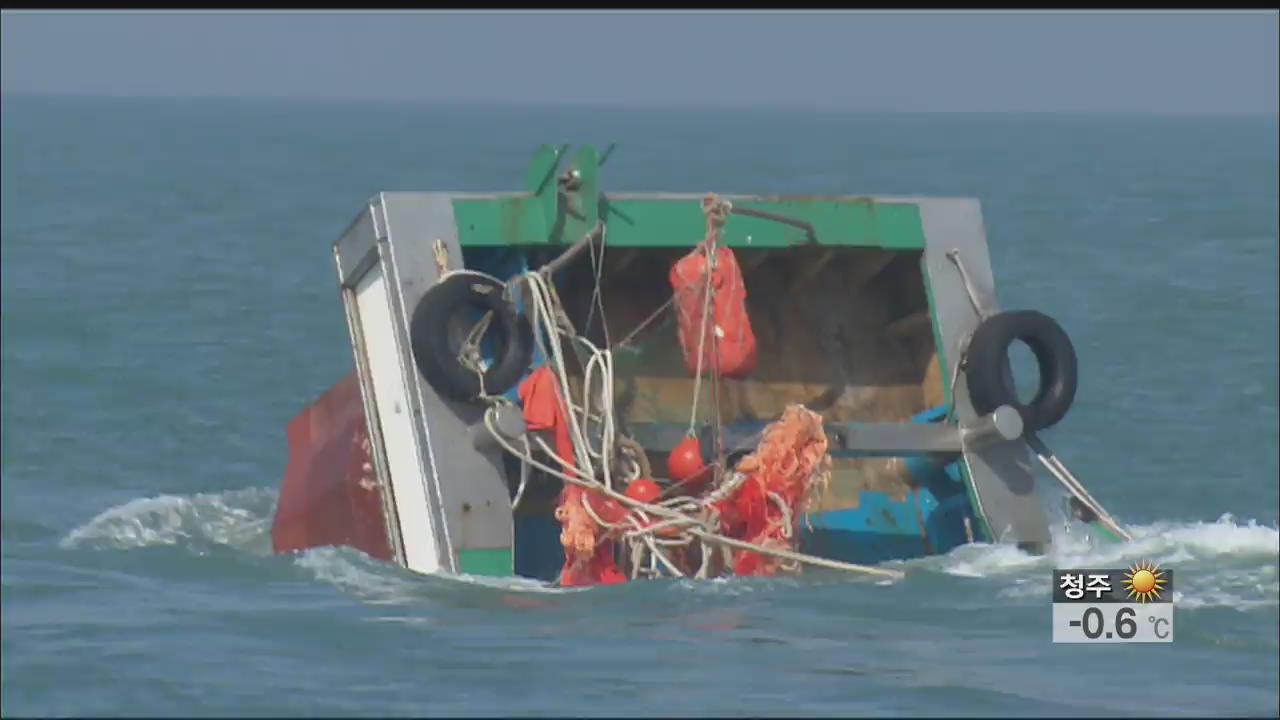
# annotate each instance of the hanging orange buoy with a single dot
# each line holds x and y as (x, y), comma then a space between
(643, 490)
(684, 464)
(606, 508)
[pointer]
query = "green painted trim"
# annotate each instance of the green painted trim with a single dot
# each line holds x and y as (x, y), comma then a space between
(519, 219)
(487, 561)
(508, 220)
(587, 197)
(1104, 532)
(541, 172)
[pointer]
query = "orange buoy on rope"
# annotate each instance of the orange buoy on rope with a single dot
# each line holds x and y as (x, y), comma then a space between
(606, 508)
(643, 490)
(684, 463)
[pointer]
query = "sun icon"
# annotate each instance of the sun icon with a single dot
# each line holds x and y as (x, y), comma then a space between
(1144, 579)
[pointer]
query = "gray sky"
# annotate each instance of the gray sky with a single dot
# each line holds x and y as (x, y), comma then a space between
(1073, 62)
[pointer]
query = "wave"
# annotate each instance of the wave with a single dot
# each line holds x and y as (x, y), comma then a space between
(240, 519)
(380, 583)
(1224, 563)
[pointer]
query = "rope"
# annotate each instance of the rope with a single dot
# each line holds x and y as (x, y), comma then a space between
(597, 298)
(692, 520)
(716, 421)
(786, 513)
(954, 256)
(544, 304)
(1073, 486)
(441, 254)
(707, 535)
(469, 355)
(474, 273)
(524, 475)
(717, 211)
(626, 341)
(702, 337)
(955, 375)
(798, 557)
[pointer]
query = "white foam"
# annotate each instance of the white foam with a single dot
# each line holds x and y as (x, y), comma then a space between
(236, 518)
(402, 620)
(353, 572)
(241, 519)
(380, 583)
(1159, 542)
(1223, 563)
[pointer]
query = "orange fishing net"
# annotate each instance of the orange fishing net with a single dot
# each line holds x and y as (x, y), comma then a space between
(588, 554)
(783, 474)
(789, 467)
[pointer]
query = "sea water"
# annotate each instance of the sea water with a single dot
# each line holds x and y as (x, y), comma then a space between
(169, 303)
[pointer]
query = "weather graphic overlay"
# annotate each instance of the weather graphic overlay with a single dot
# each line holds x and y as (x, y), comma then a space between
(1133, 605)
(1144, 581)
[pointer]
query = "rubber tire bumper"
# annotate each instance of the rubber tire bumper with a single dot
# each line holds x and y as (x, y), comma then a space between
(1056, 357)
(429, 338)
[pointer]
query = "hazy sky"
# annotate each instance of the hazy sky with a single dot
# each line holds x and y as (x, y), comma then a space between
(1131, 62)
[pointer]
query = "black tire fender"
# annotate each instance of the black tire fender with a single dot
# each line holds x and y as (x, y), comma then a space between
(990, 387)
(436, 358)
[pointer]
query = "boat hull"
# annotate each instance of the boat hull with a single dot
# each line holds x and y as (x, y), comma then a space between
(330, 495)
(862, 307)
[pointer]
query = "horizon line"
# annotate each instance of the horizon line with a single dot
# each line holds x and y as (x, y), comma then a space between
(637, 105)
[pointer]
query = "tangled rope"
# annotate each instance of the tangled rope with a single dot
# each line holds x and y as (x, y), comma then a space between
(744, 524)
(697, 527)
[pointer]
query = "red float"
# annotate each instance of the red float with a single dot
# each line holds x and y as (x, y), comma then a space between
(606, 508)
(643, 490)
(684, 463)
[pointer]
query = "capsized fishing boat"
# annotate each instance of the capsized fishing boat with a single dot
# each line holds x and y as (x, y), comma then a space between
(584, 388)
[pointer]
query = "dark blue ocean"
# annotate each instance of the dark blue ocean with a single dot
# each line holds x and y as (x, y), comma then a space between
(169, 303)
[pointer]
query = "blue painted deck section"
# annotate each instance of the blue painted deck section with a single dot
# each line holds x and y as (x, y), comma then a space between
(930, 520)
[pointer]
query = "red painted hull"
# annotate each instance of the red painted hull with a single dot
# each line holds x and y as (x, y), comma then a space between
(330, 494)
